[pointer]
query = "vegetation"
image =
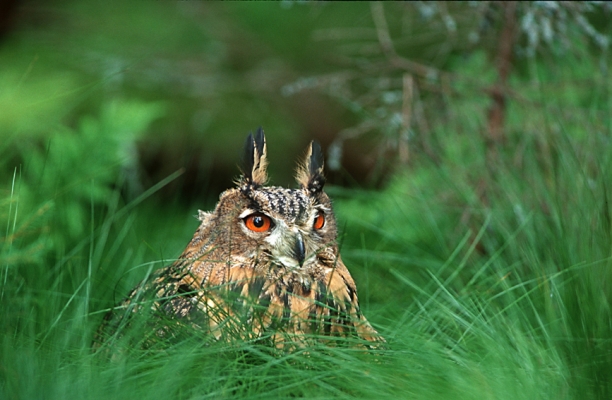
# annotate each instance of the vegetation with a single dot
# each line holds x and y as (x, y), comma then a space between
(482, 249)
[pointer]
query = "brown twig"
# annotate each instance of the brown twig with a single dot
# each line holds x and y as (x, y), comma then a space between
(386, 44)
(403, 146)
(503, 61)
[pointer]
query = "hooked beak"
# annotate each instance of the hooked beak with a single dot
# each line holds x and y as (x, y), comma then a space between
(299, 251)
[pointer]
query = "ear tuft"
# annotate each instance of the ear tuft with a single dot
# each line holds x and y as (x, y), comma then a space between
(310, 172)
(254, 159)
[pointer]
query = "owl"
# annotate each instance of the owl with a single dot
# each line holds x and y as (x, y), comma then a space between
(264, 264)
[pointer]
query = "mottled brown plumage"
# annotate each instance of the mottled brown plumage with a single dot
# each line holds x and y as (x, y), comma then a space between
(264, 263)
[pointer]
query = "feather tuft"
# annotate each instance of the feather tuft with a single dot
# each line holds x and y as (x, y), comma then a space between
(310, 172)
(255, 160)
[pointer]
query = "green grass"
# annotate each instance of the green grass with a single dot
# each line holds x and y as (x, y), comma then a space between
(506, 296)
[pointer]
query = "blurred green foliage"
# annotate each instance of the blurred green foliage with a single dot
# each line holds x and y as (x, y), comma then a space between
(485, 264)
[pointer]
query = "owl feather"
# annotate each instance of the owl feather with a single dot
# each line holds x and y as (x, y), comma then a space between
(310, 172)
(255, 160)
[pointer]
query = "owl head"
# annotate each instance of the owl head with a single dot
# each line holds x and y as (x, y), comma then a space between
(291, 229)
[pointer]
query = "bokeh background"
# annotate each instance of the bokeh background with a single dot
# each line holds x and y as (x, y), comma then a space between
(467, 151)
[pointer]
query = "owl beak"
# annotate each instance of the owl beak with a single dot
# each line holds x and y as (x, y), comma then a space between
(299, 251)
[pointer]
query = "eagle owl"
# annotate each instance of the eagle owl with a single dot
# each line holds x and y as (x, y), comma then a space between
(263, 264)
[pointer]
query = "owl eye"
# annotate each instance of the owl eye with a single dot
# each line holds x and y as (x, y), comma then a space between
(319, 221)
(258, 222)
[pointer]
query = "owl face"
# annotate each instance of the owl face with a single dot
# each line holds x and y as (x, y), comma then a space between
(289, 226)
(294, 229)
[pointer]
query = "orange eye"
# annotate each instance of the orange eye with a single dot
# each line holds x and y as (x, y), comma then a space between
(258, 222)
(319, 221)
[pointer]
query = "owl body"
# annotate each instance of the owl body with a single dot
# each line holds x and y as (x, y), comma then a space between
(263, 263)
